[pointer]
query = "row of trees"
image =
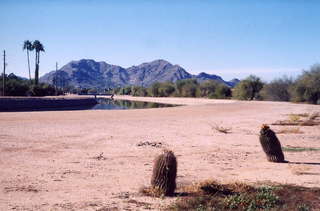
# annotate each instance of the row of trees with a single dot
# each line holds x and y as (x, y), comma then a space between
(182, 88)
(16, 86)
(306, 88)
(38, 48)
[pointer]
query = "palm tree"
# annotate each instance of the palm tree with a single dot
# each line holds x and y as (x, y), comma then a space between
(27, 45)
(37, 45)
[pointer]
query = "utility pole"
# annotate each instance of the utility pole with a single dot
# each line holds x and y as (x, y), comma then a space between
(56, 82)
(4, 74)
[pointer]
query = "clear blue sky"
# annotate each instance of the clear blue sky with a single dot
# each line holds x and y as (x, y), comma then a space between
(231, 38)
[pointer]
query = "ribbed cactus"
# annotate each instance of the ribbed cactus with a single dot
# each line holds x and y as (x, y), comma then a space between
(164, 173)
(271, 145)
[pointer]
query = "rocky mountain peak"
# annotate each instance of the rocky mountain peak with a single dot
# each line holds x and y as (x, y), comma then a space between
(87, 73)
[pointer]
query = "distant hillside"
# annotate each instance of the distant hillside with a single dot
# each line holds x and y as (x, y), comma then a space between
(88, 73)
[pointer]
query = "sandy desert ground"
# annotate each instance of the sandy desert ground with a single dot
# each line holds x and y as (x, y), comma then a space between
(54, 161)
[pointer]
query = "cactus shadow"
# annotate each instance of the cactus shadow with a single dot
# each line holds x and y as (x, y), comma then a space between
(181, 194)
(304, 163)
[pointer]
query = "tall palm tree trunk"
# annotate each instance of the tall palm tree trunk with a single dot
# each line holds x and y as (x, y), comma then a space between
(38, 48)
(36, 73)
(29, 65)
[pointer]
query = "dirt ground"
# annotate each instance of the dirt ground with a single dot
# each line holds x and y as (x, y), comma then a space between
(98, 159)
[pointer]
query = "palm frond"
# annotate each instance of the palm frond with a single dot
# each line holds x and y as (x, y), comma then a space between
(27, 45)
(37, 45)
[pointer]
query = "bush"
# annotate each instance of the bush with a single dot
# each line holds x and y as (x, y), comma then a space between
(16, 88)
(187, 88)
(42, 90)
(277, 90)
(213, 89)
(154, 89)
(139, 91)
(307, 86)
(208, 88)
(248, 89)
(222, 92)
(125, 90)
(166, 89)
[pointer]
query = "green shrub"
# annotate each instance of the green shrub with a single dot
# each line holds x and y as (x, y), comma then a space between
(125, 90)
(16, 88)
(187, 88)
(154, 89)
(307, 86)
(277, 90)
(42, 90)
(222, 92)
(139, 91)
(248, 89)
(208, 88)
(166, 89)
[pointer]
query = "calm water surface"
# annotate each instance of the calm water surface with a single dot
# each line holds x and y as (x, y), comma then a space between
(103, 104)
(108, 104)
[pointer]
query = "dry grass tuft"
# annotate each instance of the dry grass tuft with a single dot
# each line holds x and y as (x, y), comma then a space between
(305, 122)
(221, 129)
(294, 117)
(296, 120)
(294, 130)
(210, 195)
(300, 115)
(150, 191)
(99, 157)
(299, 149)
(314, 116)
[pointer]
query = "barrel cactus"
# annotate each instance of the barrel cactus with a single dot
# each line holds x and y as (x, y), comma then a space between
(271, 145)
(164, 173)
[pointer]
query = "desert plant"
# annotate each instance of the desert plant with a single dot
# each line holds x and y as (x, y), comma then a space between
(295, 130)
(222, 92)
(154, 89)
(271, 145)
(164, 173)
(139, 91)
(248, 89)
(299, 149)
(15, 86)
(187, 88)
(208, 88)
(314, 116)
(307, 87)
(277, 90)
(294, 117)
(221, 129)
(166, 89)
(42, 90)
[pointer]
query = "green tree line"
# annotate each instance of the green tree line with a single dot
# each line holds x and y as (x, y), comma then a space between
(181, 88)
(305, 88)
(16, 86)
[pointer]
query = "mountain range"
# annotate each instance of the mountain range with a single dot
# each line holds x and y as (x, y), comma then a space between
(87, 73)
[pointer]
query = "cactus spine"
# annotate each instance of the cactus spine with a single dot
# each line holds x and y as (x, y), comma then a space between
(271, 145)
(164, 173)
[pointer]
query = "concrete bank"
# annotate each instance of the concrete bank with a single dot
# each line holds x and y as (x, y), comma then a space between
(38, 103)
